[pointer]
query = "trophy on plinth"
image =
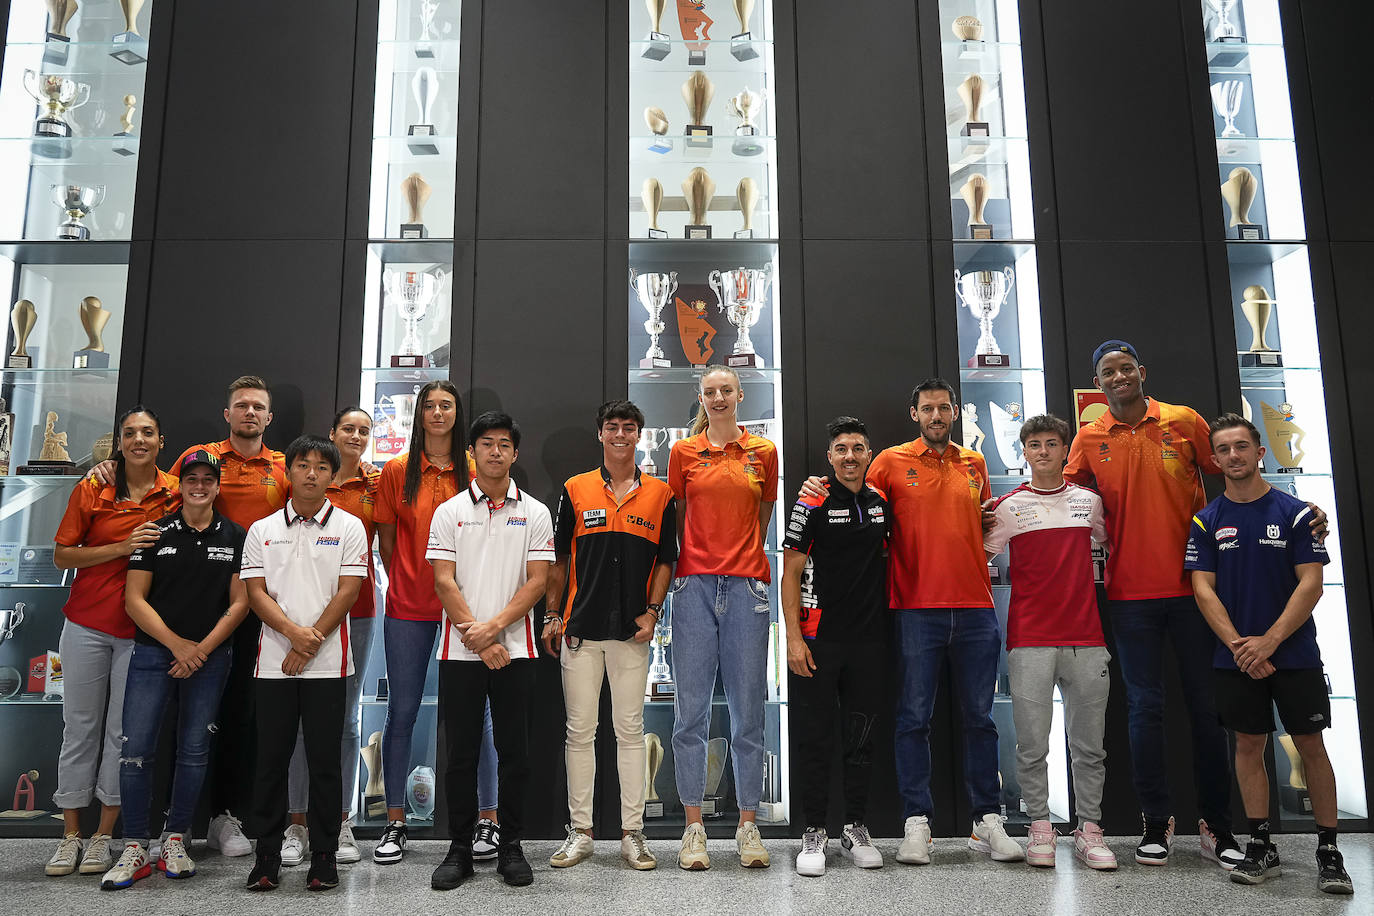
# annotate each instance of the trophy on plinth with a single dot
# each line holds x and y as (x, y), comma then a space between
(984, 292)
(1257, 307)
(650, 438)
(697, 93)
(1006, 433)
(60, 13)
(10, 619)
(660, 684)
(974, 437)
(747, 195)
(698, 188)
(1239, 192)
(717, 758)
(975, 195)
(742, 294)
(1294, 794)
(25, 795)
(651, 194)
(128, 43)
(969, 31)
(374, 795)
(424, 86)
(411, 292)
(971, 94)
(78, 201)
(657, 120)
(654, 291)
(420, 792)
(94, 317)
(22, 318)
(657, 44)
(415, 192)
(1227, 96)
(746, 106)
(1285, 437)
(423, 49)
(1224, 29)
(126, 144)
(57, 95)
(770, 800)
(653, 760)
(53, 458)
(742, 44)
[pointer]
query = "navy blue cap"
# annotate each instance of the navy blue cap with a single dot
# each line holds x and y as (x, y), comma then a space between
(1113, 346)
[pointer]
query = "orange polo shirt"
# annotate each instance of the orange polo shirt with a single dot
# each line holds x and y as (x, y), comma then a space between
(721, 489)
(249, 488)
(95, 518)
(410, 580)
(358, 497)
(1150, 478)
(935, 551)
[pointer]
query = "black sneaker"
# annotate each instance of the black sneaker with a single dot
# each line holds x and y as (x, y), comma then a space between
(392, 846)
(511, 865)
(266, 873)
(1157, 843)
(486, 837)
(1260, 863)
(455, 869)
(1331, 875)
(324, 872)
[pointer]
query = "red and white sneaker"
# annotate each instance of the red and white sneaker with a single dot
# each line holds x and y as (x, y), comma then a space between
(173, 861)
(133, 865)
(1090, 848)
(1220, 847)
(1040, 845)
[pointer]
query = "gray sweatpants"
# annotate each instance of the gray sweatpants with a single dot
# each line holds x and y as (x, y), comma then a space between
(94, 668)
(1081, 673)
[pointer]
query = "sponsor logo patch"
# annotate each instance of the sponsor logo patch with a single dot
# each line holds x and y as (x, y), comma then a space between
(1224, 533)
(517, 521)
(167, 552)
(323, 541)
(594, 518)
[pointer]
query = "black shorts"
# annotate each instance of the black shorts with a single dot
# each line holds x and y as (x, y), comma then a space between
(1246, 705)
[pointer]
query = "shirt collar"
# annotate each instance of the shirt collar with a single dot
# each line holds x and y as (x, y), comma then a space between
(320, 518)
(920, 446)
(606, 476)
(474, 491)
(216, 520)
(704, 444)
(1151, 413)
(426, 464)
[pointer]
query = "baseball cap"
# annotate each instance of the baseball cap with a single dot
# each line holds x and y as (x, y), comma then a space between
(199, 456)
(1113, 346)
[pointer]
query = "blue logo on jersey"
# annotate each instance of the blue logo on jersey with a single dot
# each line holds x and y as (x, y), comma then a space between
(326, 542)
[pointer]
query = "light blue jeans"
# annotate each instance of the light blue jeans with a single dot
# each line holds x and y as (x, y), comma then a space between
(719, 622)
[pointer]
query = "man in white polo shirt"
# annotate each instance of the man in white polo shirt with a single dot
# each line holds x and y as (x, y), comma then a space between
(303, 566)
(491, 547)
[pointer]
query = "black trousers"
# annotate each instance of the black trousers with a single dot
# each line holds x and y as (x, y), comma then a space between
(314, 706)
(464, 688)
(230, 779)
(847, 684)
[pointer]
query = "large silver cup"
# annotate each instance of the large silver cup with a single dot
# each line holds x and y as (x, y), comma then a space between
(654, 291)
(427, 31)
(56, 95)
(650, 438)
(742, 292)
(1226, 98)
(984, 292)
(1224, 29)
(10, 619)
(78, 201)
(411, 292)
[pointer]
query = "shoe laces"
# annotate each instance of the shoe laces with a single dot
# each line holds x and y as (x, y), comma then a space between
(233, 821)
(695, 838)
(1092, 835)
(813, 841)
(510, 853)
(994, 824)
(70, 845)
(130, 857)
(1156, 833)
(858, 835)
(1041, 834)
(100, 843)
(638, 843)
(570, 841)
(392, 834)
(749, 834)
(173, 848)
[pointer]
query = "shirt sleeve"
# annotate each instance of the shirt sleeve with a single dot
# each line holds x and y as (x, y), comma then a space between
(677, 479)
(987, 482)
(1202, 548)
(667, 532)
(354, 549)
(995, 539)
(76, 521)
(387, 507)
(770, 477)
(877, 478)
(1076, 471)
(443, 535)
(801, 528)
(239, 537)
(1200, 435)
(1098, 516)
(143, 557)
(251, 568)
(1303, 547)
(541, 533)
(566, 525)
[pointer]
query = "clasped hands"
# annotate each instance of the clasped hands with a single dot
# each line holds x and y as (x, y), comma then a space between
(305, 642)
(1251, 654)
(481, 636)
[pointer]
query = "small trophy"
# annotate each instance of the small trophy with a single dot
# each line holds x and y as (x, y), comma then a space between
(969, 31)
(1294, 793)
(652, 196)
(78, 201)
(974, 437)
(697, 93)
(742, 294)
(94, 317)
(411, 292)
(374, 796)
(654, 291)
(1239, 192)
(650, 438)
(129, 43)
(717, 758)
(747, 194)
(698, 188)
(660, 684)
(1006, 432)
(125, 143)
(653, 760)
(742, 45)
(25, 794)
(657, 44)
(60, 13)
(971, 94)
(424, 86)
(58, 95)
(984, 292)
(1224, 29)
(1226, 99)
(415, 191)
(1285, 438)
(677, 434)
(420, 792)
(975, 195)
(1258, 308)
(746, 107)
(10, 619)
(423, 49)
(53, 459)
(657, 120)
(22, 318)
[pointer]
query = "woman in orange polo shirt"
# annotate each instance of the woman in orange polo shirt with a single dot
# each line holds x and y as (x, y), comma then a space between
(103, 525)
(725, 481)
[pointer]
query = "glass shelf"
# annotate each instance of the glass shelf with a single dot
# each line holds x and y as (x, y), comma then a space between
(84, 59)
(1234, 56)
(1000, 374)
(388, 374)
(1247, 150)
(718, 57)
(32, 699)
(1261, 251)
(983, 57)
(52, 251)
(721, 148)
(34, 376)
(1250, 375)
(82, 151)
(716, 701)
(399, 148)
(982, 151)
(678, 375)
(445, 60)
(38, 481)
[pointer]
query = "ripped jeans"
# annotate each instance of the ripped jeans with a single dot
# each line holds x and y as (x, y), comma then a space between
(146, 695)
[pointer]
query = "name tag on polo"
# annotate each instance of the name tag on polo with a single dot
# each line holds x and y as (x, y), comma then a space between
(594, 518)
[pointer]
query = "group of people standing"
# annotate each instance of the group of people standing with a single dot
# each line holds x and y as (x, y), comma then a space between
(886, 556)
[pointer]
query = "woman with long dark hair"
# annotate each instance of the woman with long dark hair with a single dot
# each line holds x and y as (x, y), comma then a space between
(103, 525)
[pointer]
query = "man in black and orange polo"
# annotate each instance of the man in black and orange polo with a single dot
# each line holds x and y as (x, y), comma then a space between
(615, 539)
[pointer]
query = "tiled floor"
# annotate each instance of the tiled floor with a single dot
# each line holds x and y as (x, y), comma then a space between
(957, 881)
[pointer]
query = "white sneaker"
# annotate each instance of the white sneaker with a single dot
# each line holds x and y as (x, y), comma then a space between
(576, 847)
(750, 844)
(226, 835)
(132, 866)
(811, 859)
(66, 858)
(97, 860)
(392, 846)
(486, 836)
(990, 836)
(858, 846)
(172, 860)
(348, 851)
(293, 845)
(916, 843)
(692, 856)
(634, 848)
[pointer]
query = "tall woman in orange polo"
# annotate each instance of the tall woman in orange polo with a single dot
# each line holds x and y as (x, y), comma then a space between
(103, 525)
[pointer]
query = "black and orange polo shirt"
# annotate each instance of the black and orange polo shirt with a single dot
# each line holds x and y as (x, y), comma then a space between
(614, 548)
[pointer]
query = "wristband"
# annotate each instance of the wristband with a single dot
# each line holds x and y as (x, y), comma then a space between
(655, 609)
(552, 618)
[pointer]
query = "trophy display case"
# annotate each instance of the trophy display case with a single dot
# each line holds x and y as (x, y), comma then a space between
(703, 289)
(1280, 366)
(69, 143)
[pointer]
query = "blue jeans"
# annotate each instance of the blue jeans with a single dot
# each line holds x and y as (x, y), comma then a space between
(1139, 630)
(719, 622)
(409, 648)
(969, 639)
(147, 692)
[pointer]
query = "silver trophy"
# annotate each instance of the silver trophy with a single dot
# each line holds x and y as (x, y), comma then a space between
(78, 201)
(57, 95)
(427, 10)
(984, 292)
(717, 759)
(1006, 432)
(424, 86)
(660, 685)
(743, 293)
(10, 619)
(1224, 29)
(650, 438)
(746, 106)
(654, 292)
(411, 292)
(676, 434)
(1226, 98)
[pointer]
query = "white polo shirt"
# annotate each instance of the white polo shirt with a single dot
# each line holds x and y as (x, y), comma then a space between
(489, 544)
(300, 560)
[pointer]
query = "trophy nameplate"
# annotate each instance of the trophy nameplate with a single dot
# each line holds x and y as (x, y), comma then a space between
(414, 231)
(696, 232)
(662, 690)
(21, 362)
(743, 361)
(976, 130)
(127, 45)
(657, 46)
(698, 136)
(414, 361)
(742, 46)
(1271, 359)
(90, 359)
(1250, 232)
(56, 49)
(980, 231)
(417, 146)
(989, 361)
(657, 234)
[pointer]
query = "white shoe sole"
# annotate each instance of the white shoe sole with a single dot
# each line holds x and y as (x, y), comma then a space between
(641, 866)
(388, 858)
(351, 856)
(983, 847)
(695, 865)
(568, 863)
(811, 871)
(915, 859)
(1246, 879)
(1142, 860)
(849, 854)
(1096, 866)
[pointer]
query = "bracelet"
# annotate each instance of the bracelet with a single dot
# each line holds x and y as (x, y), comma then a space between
(552, 618)
(655, 609)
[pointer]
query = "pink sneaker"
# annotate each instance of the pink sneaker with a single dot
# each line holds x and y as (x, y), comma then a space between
(1091, 849)
(1040, 849)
